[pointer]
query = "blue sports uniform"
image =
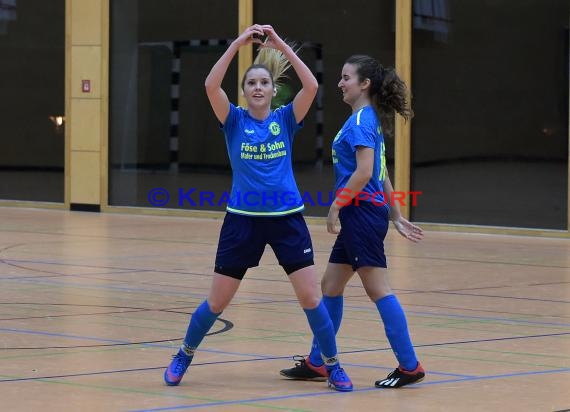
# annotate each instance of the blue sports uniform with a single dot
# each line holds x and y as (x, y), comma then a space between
(364, 224)
(260, 153)
(265, 203)
(361, 129)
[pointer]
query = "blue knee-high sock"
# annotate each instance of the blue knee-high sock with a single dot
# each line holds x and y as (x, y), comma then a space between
(323, 330)
(334, 305)
(396, 328)
(200, 323)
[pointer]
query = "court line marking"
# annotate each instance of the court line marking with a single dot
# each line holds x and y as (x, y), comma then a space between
(265, 358)
(55, 283)
(328, 393)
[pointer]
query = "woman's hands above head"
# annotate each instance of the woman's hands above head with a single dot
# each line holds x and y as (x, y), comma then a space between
(262, 34)
(252, 34)
(272, 40)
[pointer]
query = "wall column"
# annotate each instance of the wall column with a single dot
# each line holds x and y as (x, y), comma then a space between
(402, 149)
(245, 54)
(85, 71)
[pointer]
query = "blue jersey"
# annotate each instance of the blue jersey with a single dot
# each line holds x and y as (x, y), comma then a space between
(361, 129)
(260, 153)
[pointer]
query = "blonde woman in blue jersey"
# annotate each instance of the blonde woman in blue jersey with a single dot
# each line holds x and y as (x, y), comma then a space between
(363, 207)
(265, 205)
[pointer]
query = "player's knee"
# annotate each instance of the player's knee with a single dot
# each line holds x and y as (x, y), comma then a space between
(330, 287)
(309, 301)
(378, 293)
(217, 306)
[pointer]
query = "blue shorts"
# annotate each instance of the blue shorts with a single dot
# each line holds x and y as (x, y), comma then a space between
(243, 239)
(361, 239)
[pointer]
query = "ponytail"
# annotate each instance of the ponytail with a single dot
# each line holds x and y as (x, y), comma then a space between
(392, 96)
(274, 61)
(387, 91)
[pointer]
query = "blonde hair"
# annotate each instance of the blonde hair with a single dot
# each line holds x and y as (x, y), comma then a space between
(274, 61)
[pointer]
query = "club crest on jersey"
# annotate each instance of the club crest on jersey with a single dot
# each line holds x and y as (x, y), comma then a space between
(274, 128)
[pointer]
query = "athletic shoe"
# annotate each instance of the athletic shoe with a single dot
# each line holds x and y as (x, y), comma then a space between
(177, 368)
(401, 377)
(339, 380)
(304, 370)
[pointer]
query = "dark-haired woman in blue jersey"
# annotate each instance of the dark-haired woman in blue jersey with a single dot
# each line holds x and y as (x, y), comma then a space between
(265, 205)
(364, 209)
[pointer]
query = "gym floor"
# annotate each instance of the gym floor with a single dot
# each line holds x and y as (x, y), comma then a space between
(93, 305)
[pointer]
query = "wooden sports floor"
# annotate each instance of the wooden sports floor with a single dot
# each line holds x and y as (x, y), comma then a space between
(92, 306)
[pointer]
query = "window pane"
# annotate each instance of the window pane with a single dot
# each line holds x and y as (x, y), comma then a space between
(490, 136)
(163, 134)
(32, 75)
(336, 31)
(144, 110)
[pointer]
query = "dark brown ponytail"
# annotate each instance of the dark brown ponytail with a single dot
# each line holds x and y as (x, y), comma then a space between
(387, 91)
